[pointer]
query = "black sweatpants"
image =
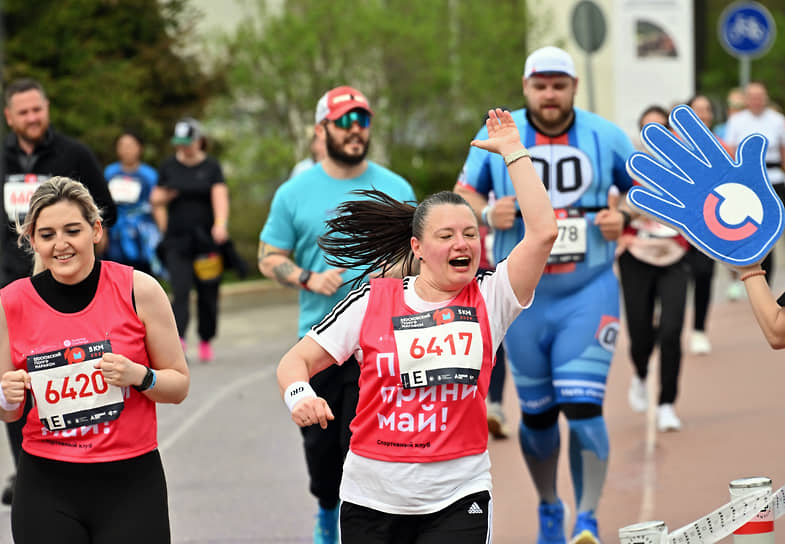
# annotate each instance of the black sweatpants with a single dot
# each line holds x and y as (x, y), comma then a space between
(119, 502)
(182, 278)
(325, 449)
(642, 285)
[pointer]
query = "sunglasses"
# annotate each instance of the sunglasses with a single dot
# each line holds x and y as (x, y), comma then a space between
(345, 121)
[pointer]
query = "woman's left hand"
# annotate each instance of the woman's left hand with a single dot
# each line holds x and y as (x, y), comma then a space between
(119, 370)
(503, 135)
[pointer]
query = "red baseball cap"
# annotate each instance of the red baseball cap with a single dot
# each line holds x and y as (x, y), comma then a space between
(338, 101)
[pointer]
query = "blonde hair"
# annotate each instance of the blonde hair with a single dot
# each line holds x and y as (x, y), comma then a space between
(52, 191)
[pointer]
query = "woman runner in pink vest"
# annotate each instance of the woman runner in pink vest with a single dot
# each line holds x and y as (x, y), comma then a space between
(96, 344)
(418, 469)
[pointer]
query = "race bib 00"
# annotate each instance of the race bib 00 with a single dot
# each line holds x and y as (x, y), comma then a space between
(439, 347)
(69, 391)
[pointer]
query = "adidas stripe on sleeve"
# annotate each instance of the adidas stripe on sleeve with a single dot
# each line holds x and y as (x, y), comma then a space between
(339, 331)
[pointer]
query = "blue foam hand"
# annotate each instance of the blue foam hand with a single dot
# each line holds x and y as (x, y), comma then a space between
(726, 208)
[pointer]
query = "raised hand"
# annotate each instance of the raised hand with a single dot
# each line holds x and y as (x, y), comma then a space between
(726, 208)
(503, 135)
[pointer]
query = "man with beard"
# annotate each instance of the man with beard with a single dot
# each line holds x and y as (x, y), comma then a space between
(32, 153)
(560, 350)
(290, 254)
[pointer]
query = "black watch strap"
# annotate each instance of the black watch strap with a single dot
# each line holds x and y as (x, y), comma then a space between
(146, 382)
(305, 275)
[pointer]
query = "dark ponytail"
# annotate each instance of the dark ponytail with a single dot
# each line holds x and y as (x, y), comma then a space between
(373, 235)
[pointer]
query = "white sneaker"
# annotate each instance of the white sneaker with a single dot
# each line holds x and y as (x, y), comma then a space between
(735, 290)
(667, 419)
(699, 343)
(637, 395)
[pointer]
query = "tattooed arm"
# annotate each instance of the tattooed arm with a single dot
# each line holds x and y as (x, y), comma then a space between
(276, 263)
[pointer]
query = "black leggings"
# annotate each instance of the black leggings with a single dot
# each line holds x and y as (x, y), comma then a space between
(182, 278)
(702, 271)
(117, 502)
(642, 284)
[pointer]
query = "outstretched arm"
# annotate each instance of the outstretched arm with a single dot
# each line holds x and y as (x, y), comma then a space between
(769, 314)
(527, 259)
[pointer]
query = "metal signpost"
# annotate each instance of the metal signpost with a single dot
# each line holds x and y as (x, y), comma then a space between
(588, 28)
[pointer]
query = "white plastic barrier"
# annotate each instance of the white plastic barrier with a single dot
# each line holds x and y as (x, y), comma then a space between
(750, 498)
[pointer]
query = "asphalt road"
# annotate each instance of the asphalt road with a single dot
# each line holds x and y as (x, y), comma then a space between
(236, 473)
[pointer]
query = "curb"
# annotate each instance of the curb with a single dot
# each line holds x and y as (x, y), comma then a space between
(256, 292)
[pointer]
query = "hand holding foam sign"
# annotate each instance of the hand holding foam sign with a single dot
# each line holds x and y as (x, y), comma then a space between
(725, 208)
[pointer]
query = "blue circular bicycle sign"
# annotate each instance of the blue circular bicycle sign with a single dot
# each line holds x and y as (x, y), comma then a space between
(746, 29)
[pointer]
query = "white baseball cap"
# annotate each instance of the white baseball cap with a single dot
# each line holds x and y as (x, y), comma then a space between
(549, 60)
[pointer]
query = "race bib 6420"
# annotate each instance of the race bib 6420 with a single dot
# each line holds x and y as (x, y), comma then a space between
(69, 391)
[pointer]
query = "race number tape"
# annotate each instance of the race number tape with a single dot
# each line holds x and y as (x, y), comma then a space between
(723, 521)
(711, 528)
(778, 502)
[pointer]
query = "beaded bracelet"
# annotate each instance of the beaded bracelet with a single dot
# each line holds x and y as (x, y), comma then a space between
(749, 275)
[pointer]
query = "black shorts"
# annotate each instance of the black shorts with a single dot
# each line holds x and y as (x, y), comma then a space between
(466, 521)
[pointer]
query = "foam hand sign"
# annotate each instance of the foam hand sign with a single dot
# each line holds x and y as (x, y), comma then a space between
(726, 208)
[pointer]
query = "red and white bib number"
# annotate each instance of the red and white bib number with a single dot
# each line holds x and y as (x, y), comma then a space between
(440, 347)
(16, 196)
(71, 394)
(125, 189)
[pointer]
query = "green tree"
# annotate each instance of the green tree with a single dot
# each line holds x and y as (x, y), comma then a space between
(430, 70)
(108, 64)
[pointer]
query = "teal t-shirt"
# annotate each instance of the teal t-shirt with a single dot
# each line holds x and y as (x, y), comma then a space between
(297, 220)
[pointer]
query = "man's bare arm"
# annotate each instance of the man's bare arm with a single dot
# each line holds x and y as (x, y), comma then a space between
(275, 263)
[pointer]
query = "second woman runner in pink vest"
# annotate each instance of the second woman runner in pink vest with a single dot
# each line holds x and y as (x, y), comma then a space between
(418, 463)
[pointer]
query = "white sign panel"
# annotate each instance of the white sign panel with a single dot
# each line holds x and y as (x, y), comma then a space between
(654, 57)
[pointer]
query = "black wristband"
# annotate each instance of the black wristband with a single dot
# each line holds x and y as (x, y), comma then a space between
(305, 275)
(146, 382)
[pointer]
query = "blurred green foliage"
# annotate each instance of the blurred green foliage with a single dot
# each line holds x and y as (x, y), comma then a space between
(109, 64)
(429, 69)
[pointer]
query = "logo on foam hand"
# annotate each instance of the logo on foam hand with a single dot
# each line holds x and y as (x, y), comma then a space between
(737, 206)
(725, 208)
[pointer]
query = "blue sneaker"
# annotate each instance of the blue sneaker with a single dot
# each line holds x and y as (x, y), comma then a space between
(326, 529)
(551, 523)
(585, 531)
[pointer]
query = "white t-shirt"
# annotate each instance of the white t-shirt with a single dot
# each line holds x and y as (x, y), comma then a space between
(413, 488)
(769, 123)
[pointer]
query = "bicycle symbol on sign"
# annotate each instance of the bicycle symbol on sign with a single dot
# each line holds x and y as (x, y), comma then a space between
(746, 28)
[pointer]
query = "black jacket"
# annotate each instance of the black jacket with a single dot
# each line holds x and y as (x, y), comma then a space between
(56, 155)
